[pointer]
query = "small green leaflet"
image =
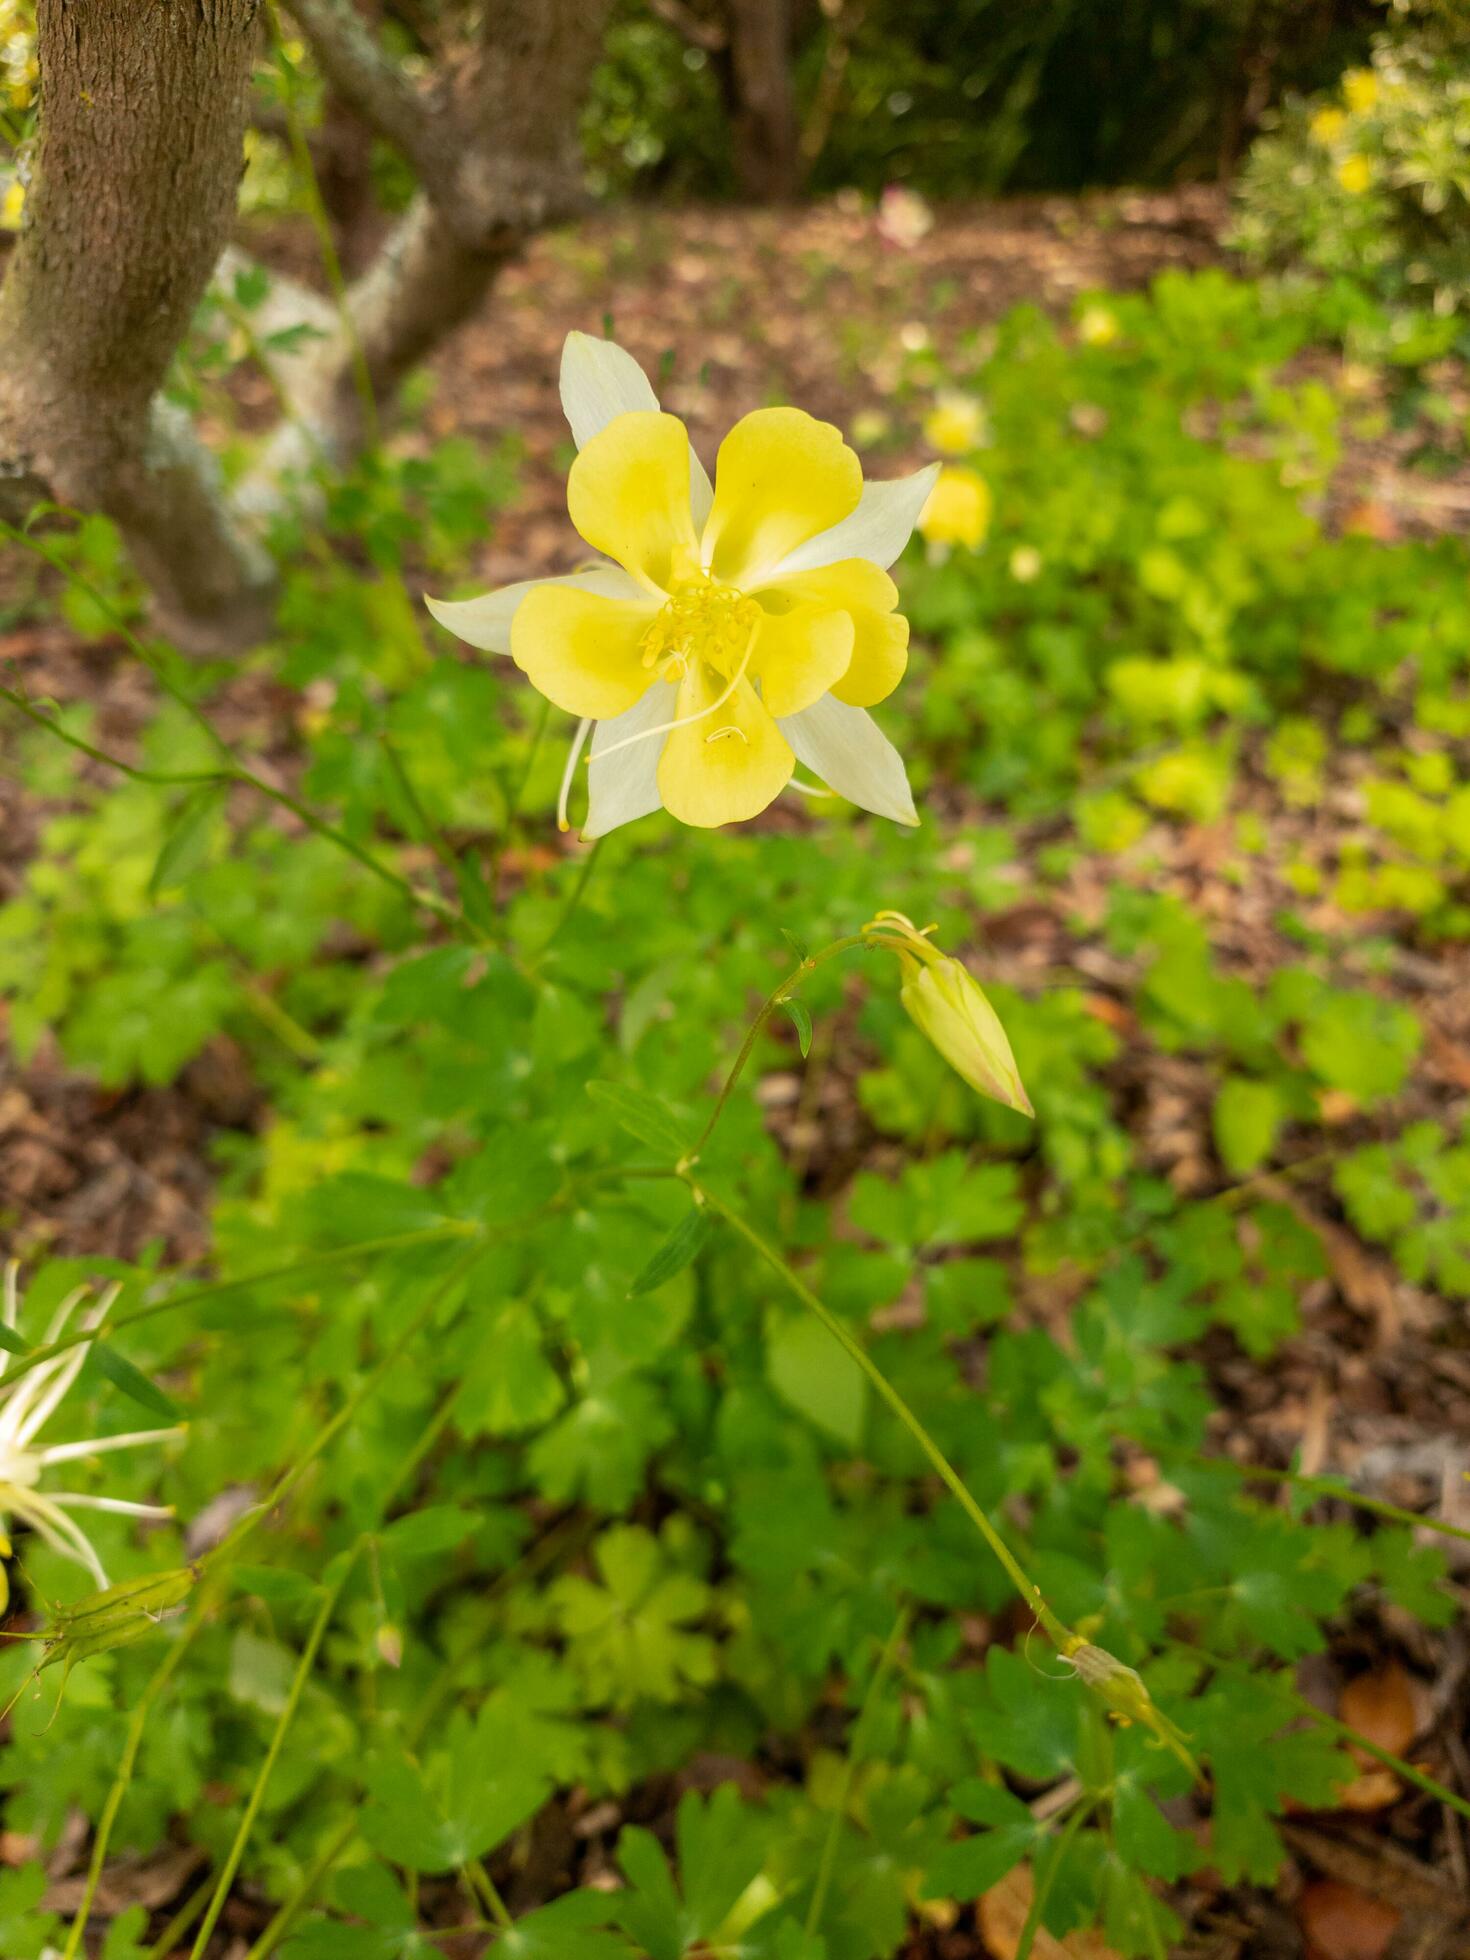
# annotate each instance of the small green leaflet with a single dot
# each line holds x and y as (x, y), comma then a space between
(133, 1382)
(801, 1020)
(678, 1250)
(11, 1341)
(640, 1114)
(187, 845)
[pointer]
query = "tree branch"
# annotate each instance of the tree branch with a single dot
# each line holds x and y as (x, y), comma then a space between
(357, 66)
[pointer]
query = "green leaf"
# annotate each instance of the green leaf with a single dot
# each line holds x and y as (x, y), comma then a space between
(641, 1115)
(187, 845)
(1246, 1117)
(678, 1250)
(801, 1019)
(468, 1801)
(11, 1341)
(133, 1382)
(807, 1367)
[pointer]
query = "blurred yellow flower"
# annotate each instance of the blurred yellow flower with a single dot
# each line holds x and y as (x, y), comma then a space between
(1326, 126)
(12, 204)
(958, 508)
(1355, 174)
(955, 424)
(1026, 564)
(1360, 90)
(726, 631)
(1098, 327)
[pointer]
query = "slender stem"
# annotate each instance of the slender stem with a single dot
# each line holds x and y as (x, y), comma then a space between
(481, 1883)
(1330, 1487)
(584, 878)
(54, 727)
(237, 770)
(312, 1262)
(747, 1047)
(1059, 1634)
(882, 1668)
(142, 1709)
(1344, 1731)
(179, 1925)
(1041, 1891)
(288, 1714)
(366, 1388)
(433, 836)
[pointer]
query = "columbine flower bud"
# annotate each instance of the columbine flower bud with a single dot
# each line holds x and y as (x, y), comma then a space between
(1123, 1694)
(946, 1004)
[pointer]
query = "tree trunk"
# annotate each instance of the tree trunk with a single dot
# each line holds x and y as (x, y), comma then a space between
(757, 74)
(143, 122)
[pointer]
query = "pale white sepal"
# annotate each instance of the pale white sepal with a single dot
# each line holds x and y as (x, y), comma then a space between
(484, 622)
(624, 786)
(878, 529)
(600, 380)
(852, 755)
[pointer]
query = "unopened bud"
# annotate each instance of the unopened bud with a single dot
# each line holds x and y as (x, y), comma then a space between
(946, 1004)
(1122, 1692)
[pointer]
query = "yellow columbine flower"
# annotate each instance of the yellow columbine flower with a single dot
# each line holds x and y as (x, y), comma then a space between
(27, 1408)
(12, 204)
(1355, 174)
(958, 509)
(945, 1003)
(1326, 126)
(955, 424)
(1360, 90)
(729, 631)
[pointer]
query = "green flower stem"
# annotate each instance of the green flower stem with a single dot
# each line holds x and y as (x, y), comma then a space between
(1344, 1731)
(178, 1927)
(809, 964)
(304, 1666)
(1041, 1890)
(881, 1670)
(1060, 1635)
(584, 878)
(341, 1255)
(138, 1722)
(482, 1885)
(1329, 1487)
(235, 770)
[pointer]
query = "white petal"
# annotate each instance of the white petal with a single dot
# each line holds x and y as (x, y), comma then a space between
(879, 528)
(599, 380)
(625, 786)
(848, 750)
(485, 622)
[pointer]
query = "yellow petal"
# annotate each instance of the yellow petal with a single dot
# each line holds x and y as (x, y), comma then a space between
(800, 656)
(782, 476)
(867, 595)
(729, 765)
(628, 494)
(580, 650)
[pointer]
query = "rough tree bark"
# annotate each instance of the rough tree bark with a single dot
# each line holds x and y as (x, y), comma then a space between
(139, 162)
(143, 113)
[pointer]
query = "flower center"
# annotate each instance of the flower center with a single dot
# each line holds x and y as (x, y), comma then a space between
(703, 620)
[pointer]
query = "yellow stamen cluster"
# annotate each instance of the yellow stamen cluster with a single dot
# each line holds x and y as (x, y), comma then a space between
(703, 620)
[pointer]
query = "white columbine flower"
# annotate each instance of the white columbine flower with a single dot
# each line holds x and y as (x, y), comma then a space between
(730, 630)
(24, 1460)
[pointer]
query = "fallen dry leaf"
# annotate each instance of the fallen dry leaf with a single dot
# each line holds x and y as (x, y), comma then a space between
(1339, 1922)
(1381, 1706)
(1002, 1914)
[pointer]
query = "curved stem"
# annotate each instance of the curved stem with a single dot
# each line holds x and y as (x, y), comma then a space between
(793, 980)
(584, 878)
(142, 1709)
(1330, 1487)
(288, 1714)
(1059, 1634)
